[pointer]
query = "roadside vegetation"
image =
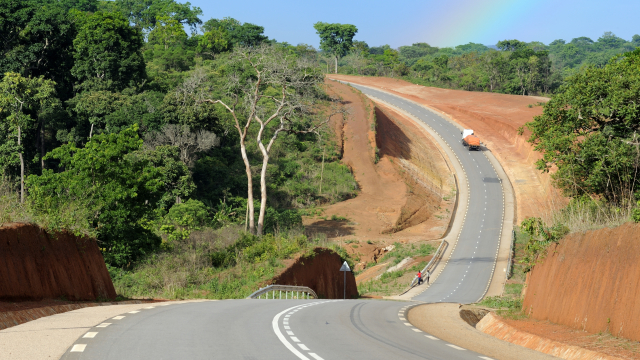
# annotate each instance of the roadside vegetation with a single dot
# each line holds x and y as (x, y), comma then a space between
(394, 282)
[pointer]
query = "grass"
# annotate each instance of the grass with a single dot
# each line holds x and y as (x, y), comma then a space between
(185, 269)
(395, 282)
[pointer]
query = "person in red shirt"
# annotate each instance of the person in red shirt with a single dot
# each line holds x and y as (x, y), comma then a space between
(419, 277)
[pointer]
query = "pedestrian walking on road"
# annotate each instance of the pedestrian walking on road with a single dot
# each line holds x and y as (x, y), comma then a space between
(428, 275)
(419, 278)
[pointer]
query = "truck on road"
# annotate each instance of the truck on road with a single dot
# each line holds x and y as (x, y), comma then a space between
(469, 140)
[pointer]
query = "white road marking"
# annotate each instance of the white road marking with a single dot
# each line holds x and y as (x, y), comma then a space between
(134, 312)
(313, 355)
(432, 337)
(485, 358)
(78, 348)
(416, 330)
(456, 347)
(150, 307)
(303, 347)
(118, 317)
(290, 333)
(103, 325)
(403, 319)
(408, 324)
(90, 335)
(295, 339)
(283, 339)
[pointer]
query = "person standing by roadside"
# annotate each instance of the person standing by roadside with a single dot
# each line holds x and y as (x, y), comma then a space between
(428, 275)
(419, 277)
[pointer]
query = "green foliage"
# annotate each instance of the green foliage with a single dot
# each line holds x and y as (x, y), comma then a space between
(336, 39)
(540, 237)
(107, 53)
(146, 14)
(228, 33)
(192, 214)
(587, 131)
(105, 189)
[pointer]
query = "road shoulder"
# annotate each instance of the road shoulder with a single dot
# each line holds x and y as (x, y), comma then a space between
(451, 328)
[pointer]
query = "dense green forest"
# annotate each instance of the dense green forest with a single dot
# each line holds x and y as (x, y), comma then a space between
(135, 122)
(512, 67)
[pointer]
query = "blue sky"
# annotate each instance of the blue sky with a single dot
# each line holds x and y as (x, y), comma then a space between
(439, 23)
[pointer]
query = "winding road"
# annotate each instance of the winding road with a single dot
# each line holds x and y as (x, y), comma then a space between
(323, 329)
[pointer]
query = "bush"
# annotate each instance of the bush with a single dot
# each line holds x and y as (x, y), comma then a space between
(192, 214)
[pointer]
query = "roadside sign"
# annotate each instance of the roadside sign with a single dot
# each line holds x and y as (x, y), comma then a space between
(345, 267)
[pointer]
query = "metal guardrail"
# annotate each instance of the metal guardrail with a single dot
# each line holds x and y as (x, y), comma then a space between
(432, 262)
(290, 292)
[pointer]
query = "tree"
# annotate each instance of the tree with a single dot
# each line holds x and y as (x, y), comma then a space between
(21, 100)
(167, 33)
(213, 42)
(247, 34)
(107, 53)
(336, 39)
(107, 188)
(144, 14)
(590, 130)
(37, 40)
(189, 143)
(511, 45)
(270, 90)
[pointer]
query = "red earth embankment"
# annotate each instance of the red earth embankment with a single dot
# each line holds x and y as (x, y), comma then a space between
(321, 272)
(35, 264)
(496, 119)
(590, 281)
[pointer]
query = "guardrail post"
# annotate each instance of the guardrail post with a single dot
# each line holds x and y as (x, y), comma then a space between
(280, 294)
(297, 294)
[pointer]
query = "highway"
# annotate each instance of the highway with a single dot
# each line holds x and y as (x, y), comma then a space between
(322, 329)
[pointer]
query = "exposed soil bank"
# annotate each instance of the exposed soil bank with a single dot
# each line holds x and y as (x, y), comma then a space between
(590, 281)
(38, 265)
(321, 272)
(494, 326)
(495, 118)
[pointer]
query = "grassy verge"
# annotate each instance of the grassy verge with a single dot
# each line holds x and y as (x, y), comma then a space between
(214, 264)
(394, 282)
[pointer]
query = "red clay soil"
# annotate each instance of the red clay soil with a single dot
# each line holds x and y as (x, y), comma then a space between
(602, 343)
(400, 194)
(495, 119)
(35, 265)
(590, 281)
(321, 272)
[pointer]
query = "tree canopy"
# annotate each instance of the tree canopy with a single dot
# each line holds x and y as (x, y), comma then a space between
(336, 39)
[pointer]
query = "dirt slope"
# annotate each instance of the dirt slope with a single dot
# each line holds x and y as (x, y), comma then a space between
(590, 282)
(400, 193)
(35, 264)
(320, 272)
(495, 118)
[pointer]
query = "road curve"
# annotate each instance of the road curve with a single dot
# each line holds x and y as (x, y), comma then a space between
(468, 273)
(322, 329)
(248, 329)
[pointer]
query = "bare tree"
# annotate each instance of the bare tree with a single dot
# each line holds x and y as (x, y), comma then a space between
(190, 143)
(276, 97)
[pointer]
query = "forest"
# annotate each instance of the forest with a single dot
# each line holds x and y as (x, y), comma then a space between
(509, 67)
(188, 147)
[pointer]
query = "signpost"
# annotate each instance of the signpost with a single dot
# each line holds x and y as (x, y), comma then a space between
(345, 268)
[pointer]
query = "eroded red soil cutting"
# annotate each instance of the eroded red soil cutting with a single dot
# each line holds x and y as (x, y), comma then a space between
(495, 118)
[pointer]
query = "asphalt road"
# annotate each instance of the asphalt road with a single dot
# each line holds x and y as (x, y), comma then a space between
(468, 273)
(266, 329)
(308, 329)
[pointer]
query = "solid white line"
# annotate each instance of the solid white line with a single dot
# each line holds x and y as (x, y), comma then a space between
(432, 337)
(103, 325)
(456, 347)
(90, 335)
(283, 339)
(313, 355)
(78, 348)
(303, 347)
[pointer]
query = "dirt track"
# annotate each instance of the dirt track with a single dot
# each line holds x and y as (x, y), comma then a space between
(495, 118)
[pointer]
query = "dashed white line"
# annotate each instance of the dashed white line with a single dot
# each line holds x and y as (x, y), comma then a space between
(118, 317)
(103, 325)
(456, 347)
(90, 335)
(313, 355)
(303, 347)
(431, 337)
(78, 348)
